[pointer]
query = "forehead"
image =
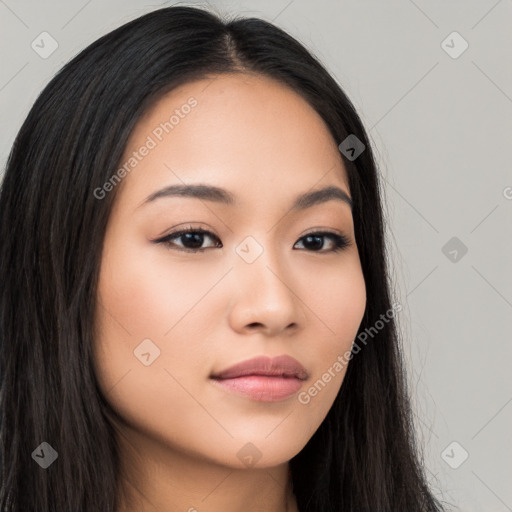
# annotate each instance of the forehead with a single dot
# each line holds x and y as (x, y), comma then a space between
(243, 132)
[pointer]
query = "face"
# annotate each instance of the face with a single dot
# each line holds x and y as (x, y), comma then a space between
(267, 278)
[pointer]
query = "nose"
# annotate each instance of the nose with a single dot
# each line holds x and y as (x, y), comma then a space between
(264, 298)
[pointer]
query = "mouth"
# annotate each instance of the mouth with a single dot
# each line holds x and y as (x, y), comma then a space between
(263, 379)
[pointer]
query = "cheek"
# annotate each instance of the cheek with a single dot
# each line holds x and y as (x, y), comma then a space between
(341, 301)
(337, 305)
(337, 301)
(145, 292)
(143, 297)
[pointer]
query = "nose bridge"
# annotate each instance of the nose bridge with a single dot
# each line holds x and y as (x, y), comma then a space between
(257, 260)
(263, 293)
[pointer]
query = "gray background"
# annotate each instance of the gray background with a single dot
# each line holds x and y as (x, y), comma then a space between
(441, 128)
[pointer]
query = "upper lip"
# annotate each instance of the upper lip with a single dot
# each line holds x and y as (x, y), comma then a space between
(284, 365)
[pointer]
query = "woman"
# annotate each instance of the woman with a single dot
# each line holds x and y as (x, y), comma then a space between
(195, 306)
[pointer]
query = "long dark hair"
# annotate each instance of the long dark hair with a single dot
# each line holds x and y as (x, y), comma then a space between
(363, 457)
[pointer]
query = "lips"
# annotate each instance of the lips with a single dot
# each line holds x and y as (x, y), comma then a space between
(281, 366)
(263, 379)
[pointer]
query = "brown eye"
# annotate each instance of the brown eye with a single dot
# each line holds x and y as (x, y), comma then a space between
(314, 241)
(192, 239)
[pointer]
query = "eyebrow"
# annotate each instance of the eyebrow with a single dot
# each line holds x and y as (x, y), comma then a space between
(220, 195)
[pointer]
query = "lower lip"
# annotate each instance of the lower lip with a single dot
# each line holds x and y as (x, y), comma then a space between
(261, 388)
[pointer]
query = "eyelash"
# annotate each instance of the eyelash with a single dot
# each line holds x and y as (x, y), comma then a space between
(340, 241)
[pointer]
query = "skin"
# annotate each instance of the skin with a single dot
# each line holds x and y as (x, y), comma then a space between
(205, 311)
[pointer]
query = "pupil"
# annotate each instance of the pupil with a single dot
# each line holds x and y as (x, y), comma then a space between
(194, 237)
(317, 238)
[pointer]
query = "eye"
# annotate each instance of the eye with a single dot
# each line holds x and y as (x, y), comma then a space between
(314, 240)
(193, 238)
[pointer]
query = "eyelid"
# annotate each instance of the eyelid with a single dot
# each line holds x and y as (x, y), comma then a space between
(323, 230)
